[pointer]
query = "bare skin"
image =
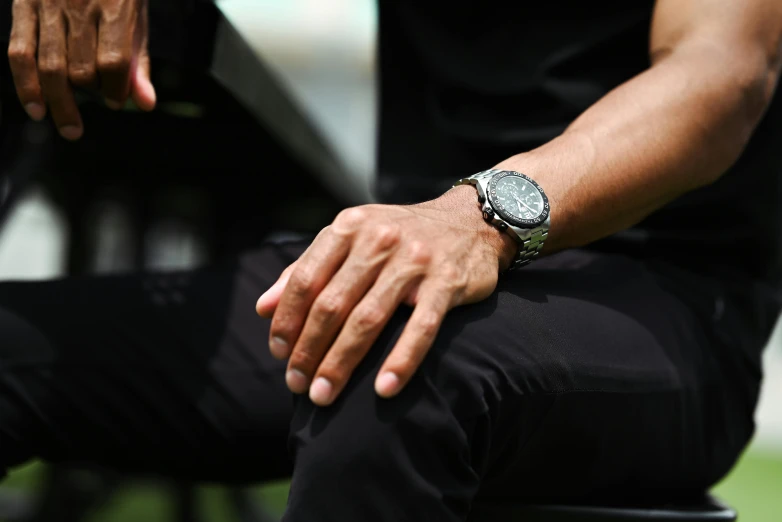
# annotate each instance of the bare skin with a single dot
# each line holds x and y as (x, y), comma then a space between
(676, 127)
(96, 44)
(433, 256)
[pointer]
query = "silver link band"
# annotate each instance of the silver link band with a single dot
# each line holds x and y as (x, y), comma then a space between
(533, 239)
(529, 249)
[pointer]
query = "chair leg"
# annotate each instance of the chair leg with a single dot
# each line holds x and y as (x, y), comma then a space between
(70, 493)
(185, 500)
(247, 508)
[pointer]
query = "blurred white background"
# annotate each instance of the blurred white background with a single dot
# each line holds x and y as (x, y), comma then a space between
(323, 52)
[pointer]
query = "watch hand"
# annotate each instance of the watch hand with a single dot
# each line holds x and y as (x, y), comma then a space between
(520, 201)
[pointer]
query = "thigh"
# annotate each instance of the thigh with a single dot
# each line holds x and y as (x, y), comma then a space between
(584, 375)
(155, 373)
(601, 379)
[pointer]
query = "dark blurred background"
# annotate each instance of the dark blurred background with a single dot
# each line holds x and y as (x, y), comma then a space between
(168, 215)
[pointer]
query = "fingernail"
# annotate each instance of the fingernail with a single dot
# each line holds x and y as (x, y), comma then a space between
(35, 111)
(279, 347)
(320, 391)
(296, 380)
(114, 105)
(71, 132)
(387, 384)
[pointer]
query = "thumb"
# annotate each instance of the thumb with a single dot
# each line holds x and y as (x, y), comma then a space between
(142, 91)
(268, 302)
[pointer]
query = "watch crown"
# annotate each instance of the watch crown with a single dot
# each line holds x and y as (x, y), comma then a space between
(488, 214)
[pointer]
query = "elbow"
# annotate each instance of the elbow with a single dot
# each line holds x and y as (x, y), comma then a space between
(749, 89)
(755, 87)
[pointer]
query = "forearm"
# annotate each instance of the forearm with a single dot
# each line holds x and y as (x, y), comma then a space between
(675, 127)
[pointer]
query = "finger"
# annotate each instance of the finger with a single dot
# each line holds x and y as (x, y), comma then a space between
(142, 91)
(53, 68)
(416, 340)
(82, 48)
(366, 321)
(268, 302)
(116, 29)
(314, 269)
(22, 51)
(335, 302)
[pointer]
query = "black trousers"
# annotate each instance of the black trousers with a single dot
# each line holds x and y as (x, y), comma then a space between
(585, 376)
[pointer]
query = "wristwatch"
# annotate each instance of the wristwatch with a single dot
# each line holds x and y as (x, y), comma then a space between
(513, 203)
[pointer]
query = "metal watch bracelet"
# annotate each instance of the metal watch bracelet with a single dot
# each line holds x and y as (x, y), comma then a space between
(530, 240)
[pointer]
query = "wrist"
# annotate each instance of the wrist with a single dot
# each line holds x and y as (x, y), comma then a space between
(462, 202)
(540, 166)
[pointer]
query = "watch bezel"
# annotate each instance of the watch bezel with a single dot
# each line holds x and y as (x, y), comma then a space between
(499, 209)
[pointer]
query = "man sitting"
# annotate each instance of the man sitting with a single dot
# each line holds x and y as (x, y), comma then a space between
(627, 179)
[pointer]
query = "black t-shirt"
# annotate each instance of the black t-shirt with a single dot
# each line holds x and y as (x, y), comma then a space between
(466, 85)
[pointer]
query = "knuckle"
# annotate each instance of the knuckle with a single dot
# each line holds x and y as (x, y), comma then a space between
(18, 5)
(420, 253)
(459, 284)
(386, 236)
(52, 68)
(280, 327)
(80, 10)
(21, 54)
(429, 323)
(450, 274)
(339, 365)
(301, 282)
(350, 218)
(454, 287)
(303, 360)
(370, 318)
(349, 354)
(114, 62)
(328, 306)
(82, 76)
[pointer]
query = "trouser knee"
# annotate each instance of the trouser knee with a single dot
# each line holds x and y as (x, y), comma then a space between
(417, 444)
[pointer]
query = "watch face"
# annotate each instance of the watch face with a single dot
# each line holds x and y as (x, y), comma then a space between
(517, 199)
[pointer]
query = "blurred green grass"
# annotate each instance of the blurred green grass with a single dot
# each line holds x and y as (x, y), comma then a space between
(754, 487)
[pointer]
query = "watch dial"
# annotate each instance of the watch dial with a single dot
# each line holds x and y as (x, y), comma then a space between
(519, 197)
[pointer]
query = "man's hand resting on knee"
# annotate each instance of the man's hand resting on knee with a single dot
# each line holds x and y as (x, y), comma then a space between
(94, 44)
(330, 305)
(675, 127)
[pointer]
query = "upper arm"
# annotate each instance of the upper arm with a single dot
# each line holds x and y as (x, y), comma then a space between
(745, 26)
(743, 38)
